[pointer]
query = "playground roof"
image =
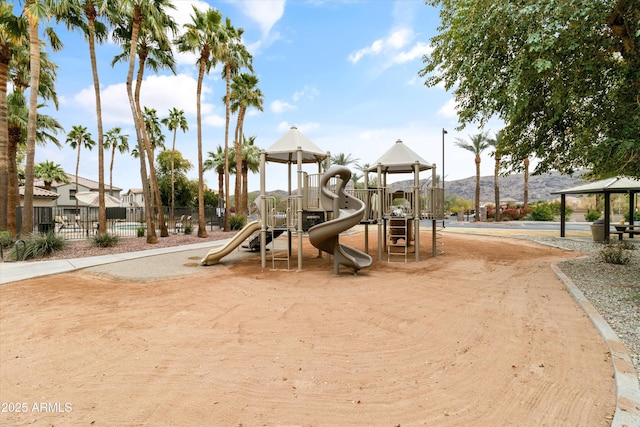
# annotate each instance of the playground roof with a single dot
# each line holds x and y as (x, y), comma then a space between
(285, 149)
(617, 184)
(400, 159)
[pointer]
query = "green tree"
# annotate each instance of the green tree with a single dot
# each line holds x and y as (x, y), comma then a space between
(476, 144)
(48, 172)
(234, 56)
(201, 37)
(244, 94)
(496, 143)
(78, 138)
(563, 76)
(216, 162)
(13, 33)
(83, 15)
(34, 11)
(250, 163)
(156, 138)
(343, 159)
(172, 170)
(114, 140)
(175, 121)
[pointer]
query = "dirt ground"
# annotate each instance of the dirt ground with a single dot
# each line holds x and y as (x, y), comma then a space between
(484, 335)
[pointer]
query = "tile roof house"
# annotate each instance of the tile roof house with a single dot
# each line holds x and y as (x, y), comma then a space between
(66, 192)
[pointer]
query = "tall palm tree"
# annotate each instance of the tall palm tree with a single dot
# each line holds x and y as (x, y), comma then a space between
(34, 11)
(78, 138)
(144, 22)
(47, 127)
(156, 139)
(476, 144)
(201, 37)
(13, 32)
(114, 140)
(48, 172)
(250, 163)
(175, 121)
(244, 94)
(234, 56)
(82, 15)
(496, 143)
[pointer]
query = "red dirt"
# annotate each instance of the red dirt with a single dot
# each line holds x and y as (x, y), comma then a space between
(483, 335)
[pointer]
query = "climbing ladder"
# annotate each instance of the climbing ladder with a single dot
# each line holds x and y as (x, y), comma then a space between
(398, 239)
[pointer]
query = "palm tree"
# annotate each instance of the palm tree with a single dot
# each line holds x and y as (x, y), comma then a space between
(47, 128)
(78, 138)
(156, 139)
(144, 22)
(250, 163)
(244, 94)
(234, 56)
(216, 161)
(34, 11)
(478, 143)
(48, 172)
(82, 14)
(496, 143)
(201, 37)
(12, 33)
(342, 159)
(175, 121)
(114, 140)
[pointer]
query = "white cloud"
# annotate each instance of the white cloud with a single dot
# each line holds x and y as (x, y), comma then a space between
(278, 106)
(264, 12)
(417, 51)
(308, 92)
(448, 110)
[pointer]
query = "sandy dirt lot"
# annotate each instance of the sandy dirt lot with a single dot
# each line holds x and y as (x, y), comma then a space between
(484, 335)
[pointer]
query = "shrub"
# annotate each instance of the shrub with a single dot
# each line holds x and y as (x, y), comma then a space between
(237, 221)
(636, 216)
(5, 239)
(542, 212)
(188, 229)
(614, 254)
(591, 216)
(38, 246)
(105, 240)
(140, 231)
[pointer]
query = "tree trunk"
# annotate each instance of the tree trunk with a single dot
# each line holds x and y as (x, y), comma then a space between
(227, 223)
(34, 83)
(4, 135)
(496, 188)
(202, 231)
(13, 192)
(172, 217)
(526, 183)
(477, 202)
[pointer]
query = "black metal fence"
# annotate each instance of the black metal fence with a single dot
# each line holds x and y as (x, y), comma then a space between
(82, 223)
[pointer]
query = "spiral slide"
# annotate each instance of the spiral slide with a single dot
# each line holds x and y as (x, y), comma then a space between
(348, 212)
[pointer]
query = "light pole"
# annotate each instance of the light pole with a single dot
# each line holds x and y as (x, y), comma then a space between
(444, 132)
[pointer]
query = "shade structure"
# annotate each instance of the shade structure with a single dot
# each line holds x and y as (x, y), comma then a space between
(91, 198)
(285, 149)
(400, 159)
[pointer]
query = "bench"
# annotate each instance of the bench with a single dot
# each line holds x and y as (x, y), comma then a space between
(621, 230)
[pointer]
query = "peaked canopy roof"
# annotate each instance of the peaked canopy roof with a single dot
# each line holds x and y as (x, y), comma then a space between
(285, 149)
(617, 184)
(400, 159)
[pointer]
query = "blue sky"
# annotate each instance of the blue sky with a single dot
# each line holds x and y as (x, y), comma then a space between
(344, 72)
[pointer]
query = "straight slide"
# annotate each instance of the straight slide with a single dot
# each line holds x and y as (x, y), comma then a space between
(215, 254)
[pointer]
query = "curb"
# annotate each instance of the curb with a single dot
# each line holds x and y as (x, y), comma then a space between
(626, 378)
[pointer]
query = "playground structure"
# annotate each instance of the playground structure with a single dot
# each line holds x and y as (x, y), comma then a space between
(322, 205)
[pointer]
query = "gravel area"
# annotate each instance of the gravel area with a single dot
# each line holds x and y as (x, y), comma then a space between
(614, 290)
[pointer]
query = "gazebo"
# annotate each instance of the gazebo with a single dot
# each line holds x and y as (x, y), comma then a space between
(399, 158)
(293, 148)
(608, 186)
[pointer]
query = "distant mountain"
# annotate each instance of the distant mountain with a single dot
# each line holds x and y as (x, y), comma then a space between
(511, 186)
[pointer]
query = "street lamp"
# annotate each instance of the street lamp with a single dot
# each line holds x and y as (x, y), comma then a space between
(444, 132)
